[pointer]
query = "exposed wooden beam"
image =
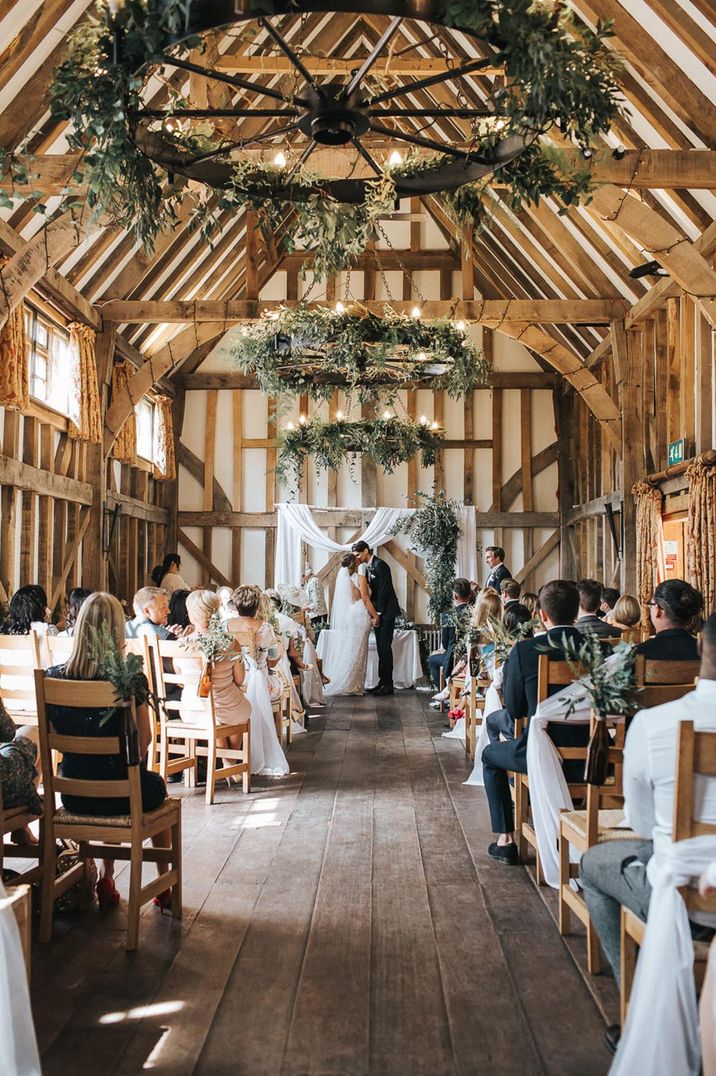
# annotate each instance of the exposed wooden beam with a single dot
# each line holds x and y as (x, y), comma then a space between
(198, 555)
(345, 519)
(137, 509)
(412, 65)
(492, 312)
(46, 483)
(540, 555)
(667, 288)
(498, 379)
(595, 507)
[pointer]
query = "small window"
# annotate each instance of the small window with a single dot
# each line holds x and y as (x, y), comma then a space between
(49, 353)
(146, 417)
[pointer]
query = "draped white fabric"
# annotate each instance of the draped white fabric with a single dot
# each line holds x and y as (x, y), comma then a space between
(18, 1046)
(492, 703)
(661, 1034)
(296, 524)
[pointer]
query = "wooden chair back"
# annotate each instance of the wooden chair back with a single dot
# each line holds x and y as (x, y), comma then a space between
(160, 650)
(76, 695)
(246, 638)
(19, 658)
(59, 648)
(663, 681)
(695, 759)
(557, 674)
(631, 635)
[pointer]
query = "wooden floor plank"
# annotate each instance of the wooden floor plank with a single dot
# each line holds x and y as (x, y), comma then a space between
(342, 921)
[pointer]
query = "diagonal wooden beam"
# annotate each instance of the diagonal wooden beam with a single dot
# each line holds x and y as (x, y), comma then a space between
(204, 561)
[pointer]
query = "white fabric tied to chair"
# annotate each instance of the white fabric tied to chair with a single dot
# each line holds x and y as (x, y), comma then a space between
(492, 703)
(18, 1045)
(661, 1035)
(707, 1004)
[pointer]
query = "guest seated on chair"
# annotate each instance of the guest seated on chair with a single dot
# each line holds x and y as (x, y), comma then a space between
(443, 659)
(514, 612)
(614, 873)
(610, 597)
(78, 595)
(28, 612)
(530, 601)
(559, 604)
(626, 614)
(675, 612)
(18, 775)
(590, 595)
(178, 615)
(98, 611)
(151, 610)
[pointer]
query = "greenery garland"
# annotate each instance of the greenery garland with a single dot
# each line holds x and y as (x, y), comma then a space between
(558, 73)
(388, 441)
(303, 349)
(434, 529)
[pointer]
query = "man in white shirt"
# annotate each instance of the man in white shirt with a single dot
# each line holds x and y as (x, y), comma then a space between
(614, 873)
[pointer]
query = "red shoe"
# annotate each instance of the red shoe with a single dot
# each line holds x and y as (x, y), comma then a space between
(107, 893)
(163, 900)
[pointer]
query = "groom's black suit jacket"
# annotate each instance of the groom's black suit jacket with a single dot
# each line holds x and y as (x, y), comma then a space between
(381, 588)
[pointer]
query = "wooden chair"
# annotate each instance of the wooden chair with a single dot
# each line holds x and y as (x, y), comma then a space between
(19, 901)
(281, 707)
(12, 818)
(19, 657)
(105, 837)
(140, 647)
(550, 674)
(696, 757)
(600, 822)
(474, 713)
(59, 647)
(663, 681)
(180, 736)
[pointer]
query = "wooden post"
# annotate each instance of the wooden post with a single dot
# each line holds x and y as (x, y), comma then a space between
(564, 403)
(633, 461)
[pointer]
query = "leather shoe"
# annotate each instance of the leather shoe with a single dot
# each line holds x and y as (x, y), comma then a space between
(612, 1036)
(372, 690)
(383, 690)
(505, 853)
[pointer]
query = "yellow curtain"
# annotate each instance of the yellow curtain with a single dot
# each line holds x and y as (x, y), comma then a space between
(14, 365)
(649, 541)
(164, 459)
(701, 531)
(125, 447)
(86, 416)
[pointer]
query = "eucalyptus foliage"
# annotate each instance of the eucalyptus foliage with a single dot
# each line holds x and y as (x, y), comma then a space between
(215, 644)
(303, 349)
(388, 441)
(125, 672)
(434, 529)
(607, 675)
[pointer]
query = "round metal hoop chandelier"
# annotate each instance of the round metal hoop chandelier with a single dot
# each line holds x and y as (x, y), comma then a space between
(329, 114)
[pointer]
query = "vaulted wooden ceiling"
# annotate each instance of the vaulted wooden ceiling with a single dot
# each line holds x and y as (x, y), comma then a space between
(669, 52)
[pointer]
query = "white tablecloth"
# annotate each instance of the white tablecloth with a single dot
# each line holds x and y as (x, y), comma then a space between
(406, 657)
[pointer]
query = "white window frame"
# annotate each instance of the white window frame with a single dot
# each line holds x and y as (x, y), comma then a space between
(55, 386)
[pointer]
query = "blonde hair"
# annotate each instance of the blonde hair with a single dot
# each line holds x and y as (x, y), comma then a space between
(145, 596)
(247, 597)
(487, 605)
(627, 611)
(531, 601)
(201, 606)
(265, 608)
(98, 609)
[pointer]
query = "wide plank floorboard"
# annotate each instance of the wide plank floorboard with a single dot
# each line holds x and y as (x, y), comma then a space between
(342, 921)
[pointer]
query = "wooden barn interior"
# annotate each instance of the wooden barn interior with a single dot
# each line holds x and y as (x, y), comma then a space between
(346, 918)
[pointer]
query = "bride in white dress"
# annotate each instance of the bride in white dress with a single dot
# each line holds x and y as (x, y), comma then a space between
(350, 628)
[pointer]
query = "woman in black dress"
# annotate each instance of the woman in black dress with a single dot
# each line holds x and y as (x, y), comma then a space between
(100, 610)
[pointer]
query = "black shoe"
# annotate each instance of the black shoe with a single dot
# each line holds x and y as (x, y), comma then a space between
(505, 853)
(612, 1036)
(383, 690)
(373, 690)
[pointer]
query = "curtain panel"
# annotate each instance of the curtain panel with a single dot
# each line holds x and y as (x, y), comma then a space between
(14, 364)
(649, 541)
(701, 531)
(125, 446)
(164, 456)
(85, 414)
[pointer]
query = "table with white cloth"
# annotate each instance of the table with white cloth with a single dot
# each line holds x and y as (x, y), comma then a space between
(406, 657)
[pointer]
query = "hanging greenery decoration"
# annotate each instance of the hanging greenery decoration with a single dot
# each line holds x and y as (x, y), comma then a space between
(302, 349)
(558, 75)
(434, 531)
(389, 441)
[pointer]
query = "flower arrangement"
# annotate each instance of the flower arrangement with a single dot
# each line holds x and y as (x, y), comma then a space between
(389, 441)
(308, 350)
(215, 644)
(434, 529)
(607, 674)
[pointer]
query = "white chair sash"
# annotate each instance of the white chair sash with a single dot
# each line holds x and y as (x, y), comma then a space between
(661, 1034)
(18, 1045)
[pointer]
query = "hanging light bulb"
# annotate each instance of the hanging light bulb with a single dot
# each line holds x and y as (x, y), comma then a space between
(423, 420)
(434, 426)
(340, 308)
(280, 160)
(387, 415)
(500, 124)
(460, 326)
(290, 426)
(421, 356)
(274, 315)
(302, 420)
(395, 159)
(416, 312)
(339, 416)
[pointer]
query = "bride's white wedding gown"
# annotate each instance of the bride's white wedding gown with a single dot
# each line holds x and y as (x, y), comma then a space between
(350, 628)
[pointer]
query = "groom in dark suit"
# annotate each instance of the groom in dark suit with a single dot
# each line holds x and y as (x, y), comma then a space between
(383, 608)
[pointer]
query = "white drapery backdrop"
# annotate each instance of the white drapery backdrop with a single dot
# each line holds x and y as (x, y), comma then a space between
(296, 524)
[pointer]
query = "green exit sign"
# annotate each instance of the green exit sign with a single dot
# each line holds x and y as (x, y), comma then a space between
(677, 451)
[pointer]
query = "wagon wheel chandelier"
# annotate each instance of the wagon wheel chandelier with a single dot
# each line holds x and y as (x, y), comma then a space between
(353, 114)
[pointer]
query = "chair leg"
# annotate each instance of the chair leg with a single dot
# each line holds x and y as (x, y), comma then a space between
(47, 891)
(85, 895)
(565, 914)
(246, 747)
(163, 754)
(211, 770)
(594, 951)
(539, 874)
(135, 891)
(627, 968)
(176, 862)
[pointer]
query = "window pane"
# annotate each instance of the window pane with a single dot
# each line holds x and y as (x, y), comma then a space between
(145, 429)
